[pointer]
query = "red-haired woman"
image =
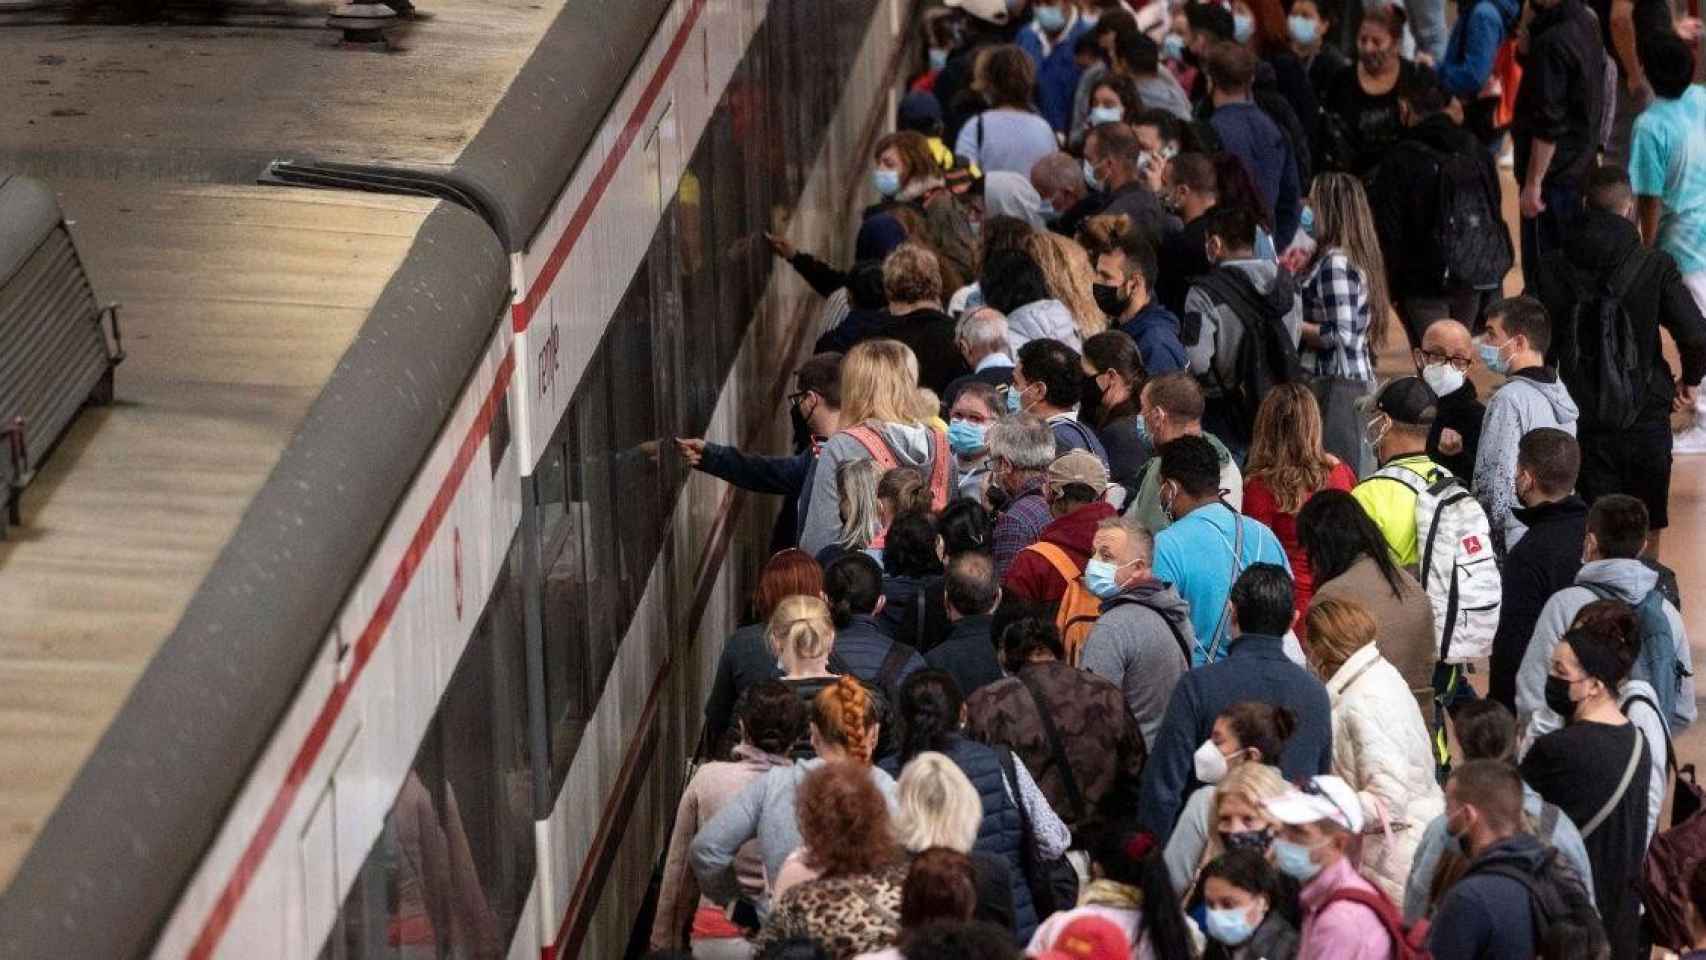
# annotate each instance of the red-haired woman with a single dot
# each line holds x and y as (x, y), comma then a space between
(853, 906)
(748, 656)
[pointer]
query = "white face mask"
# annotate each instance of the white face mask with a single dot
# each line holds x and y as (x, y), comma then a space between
(1442, 378)
(1210, 763)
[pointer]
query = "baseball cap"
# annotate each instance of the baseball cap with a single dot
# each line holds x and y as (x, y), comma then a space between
(919, 111)
(1089, 938)
(1406, 400)
(1325, 797)
(1079, 466)
(990, 11)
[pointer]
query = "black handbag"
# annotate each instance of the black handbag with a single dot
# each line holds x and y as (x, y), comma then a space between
(1053, 883)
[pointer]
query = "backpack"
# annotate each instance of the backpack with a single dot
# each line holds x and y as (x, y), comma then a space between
(1600, 358)
(1559, 907)
(1656, 663)
(1457, 566)
(1408, 943)
(1267, 354)
(1670, 860)
(1469, 230)
(1079, 608)
(884, 457)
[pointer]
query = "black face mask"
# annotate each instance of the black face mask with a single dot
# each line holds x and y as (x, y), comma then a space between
(802, 426)
(1256, 840)
(1090, 404)
(1110, 298)
(1558, 698)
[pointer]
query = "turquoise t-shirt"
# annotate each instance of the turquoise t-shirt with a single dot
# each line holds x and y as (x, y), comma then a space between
(1668, 160)
(1195, 556)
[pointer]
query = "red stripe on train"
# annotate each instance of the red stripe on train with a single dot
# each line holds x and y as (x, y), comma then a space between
(250, 863)
(522, 313)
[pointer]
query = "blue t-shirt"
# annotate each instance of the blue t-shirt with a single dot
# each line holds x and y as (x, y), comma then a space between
(1668, 160)
(1195, 556)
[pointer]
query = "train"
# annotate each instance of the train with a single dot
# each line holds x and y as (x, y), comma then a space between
(372, 613)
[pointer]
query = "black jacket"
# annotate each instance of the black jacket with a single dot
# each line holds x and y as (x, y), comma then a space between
(1592, 252)
(1460, 410)
(1561, 99)
(1543, 562)
(1486, 914)
(1182, 260)
(930, 334)
(1403, 196)
(968, 655)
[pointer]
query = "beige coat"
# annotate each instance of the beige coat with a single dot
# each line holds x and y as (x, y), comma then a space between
(1381, 748)
(1406, 637)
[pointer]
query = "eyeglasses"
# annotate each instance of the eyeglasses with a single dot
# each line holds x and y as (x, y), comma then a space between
(1460, 364)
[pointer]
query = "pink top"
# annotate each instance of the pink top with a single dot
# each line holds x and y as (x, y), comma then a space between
(1343, 931)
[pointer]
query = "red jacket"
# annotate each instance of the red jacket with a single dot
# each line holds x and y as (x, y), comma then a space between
(1032, 578)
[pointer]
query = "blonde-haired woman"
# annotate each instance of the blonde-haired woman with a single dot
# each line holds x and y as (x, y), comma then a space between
(1345, 308)
(1289, 464)
(939, 807)
(802, 636)
(844, 728)
(1067, 271)
(1380, 744)
(888, 424)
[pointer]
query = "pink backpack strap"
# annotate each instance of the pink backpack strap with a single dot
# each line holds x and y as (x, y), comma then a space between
(939, 454)
(875, 445)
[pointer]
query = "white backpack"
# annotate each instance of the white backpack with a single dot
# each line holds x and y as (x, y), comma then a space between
(1457, 566)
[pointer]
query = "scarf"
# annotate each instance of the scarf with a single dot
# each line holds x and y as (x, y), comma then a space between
(1107, 893)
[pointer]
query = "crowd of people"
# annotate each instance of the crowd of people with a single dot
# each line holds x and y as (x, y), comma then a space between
(1120, 607)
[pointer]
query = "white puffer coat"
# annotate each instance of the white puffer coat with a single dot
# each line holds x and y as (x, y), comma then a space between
(1381, 748)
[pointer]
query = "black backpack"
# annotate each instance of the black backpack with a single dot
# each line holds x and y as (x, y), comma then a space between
(1600, 358)
(1469, 230)
(1267, 356)
(1563, 916)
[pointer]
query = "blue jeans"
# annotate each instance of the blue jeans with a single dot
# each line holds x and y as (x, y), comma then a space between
(1545, 233)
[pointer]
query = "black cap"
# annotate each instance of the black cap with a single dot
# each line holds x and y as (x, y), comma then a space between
(1407, 400)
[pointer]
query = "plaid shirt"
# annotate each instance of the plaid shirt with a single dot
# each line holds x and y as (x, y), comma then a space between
(1336, 298)
(1020, 525)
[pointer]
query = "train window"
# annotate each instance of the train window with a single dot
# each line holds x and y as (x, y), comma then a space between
(454, 862)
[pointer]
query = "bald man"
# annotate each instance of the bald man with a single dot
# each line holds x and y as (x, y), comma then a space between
(1059, 180)
(1444, 360)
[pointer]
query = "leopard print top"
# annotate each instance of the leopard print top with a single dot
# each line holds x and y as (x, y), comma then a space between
(846, 915)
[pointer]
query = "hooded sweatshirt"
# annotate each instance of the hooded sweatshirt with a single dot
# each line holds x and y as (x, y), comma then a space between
(1032, 578)
(911, 445)
(1530, 399)
(1628, 580)
(1213, 331)
(1156, 331)
(1135, 646)
(1042, 319)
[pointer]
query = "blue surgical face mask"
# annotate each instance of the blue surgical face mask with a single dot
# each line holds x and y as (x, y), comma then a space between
(1243, 27)
(1050, 17)
(1143, 436)
(1231, 926)
(1101, 115)
(1013, 403)
(1090, 178)
(1173, 46)
(1493, 357)
(965, 437)
(1047, 211)
(1292, 859)
(1100, 578)
(1306, 221)
(938, 58)
(1302, 29)
(886, 181)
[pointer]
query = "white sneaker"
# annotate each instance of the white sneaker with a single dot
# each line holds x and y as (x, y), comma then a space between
(1690, 441)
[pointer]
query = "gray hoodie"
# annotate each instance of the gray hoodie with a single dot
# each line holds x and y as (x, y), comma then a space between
(911, 446)
(1631, 581)
(1529, 399)
(1214, 354)
(1133, 647)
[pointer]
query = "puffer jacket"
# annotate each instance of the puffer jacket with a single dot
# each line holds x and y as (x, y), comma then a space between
(1630, 581)
(1042, 319)
(1380, 748)
(911, 445)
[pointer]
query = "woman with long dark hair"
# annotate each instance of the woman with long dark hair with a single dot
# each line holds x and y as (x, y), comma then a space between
(1128, 887)
(930, 720)
(1349, 560)
(1113, 381)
